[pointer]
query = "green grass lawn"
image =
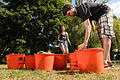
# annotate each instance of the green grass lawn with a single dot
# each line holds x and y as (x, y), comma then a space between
(22, 74)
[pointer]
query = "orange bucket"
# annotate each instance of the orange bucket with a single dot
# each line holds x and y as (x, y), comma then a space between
(60, 61)
(44, 62)
(15, 61)
(73, 61)
(30, 62)
(90, 60)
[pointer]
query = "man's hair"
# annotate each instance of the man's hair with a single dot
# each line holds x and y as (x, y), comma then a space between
(66, 8)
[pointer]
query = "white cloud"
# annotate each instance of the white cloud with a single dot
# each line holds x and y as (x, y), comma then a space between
(115, 7)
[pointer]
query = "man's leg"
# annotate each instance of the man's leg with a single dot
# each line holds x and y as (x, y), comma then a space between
(106, 46)
(101, 39)
(104, 43)
(109, 59)
(105, 31)
(99, 34)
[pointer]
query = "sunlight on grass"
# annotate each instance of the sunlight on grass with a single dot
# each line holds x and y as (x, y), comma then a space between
(22, 74)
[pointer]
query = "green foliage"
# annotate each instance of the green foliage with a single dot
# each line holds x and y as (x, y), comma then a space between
(116, 40)
(30, 25)
(94, 41)
(76, 32)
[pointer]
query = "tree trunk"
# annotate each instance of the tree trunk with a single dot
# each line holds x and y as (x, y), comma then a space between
(1, 54)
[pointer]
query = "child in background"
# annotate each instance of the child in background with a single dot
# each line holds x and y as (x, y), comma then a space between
(63, 39)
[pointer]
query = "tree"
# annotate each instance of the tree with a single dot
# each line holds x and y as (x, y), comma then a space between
(116, 40)
(30, 25)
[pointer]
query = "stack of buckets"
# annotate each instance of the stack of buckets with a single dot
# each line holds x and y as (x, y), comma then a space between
(87, 60)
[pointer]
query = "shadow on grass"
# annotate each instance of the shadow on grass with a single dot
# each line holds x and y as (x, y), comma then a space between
(68, 71)
(17, 69)
(3, 68)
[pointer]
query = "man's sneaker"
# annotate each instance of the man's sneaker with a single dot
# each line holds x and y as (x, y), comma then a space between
(106, 67)
(110, 64)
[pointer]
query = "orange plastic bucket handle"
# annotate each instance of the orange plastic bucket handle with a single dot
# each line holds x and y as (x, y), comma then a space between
(20, 59)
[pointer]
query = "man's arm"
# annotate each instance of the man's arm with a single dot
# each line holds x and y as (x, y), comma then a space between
(93, 25)
(87, 32)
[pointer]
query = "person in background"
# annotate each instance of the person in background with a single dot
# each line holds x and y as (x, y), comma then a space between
(103, 16)
(63, 40)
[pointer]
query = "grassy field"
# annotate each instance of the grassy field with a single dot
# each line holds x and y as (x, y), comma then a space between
(22, 74)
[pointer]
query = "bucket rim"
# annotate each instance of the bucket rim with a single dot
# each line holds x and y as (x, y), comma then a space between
(91, 49)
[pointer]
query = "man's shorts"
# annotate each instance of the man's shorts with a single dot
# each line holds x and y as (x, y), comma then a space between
(105, 26)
